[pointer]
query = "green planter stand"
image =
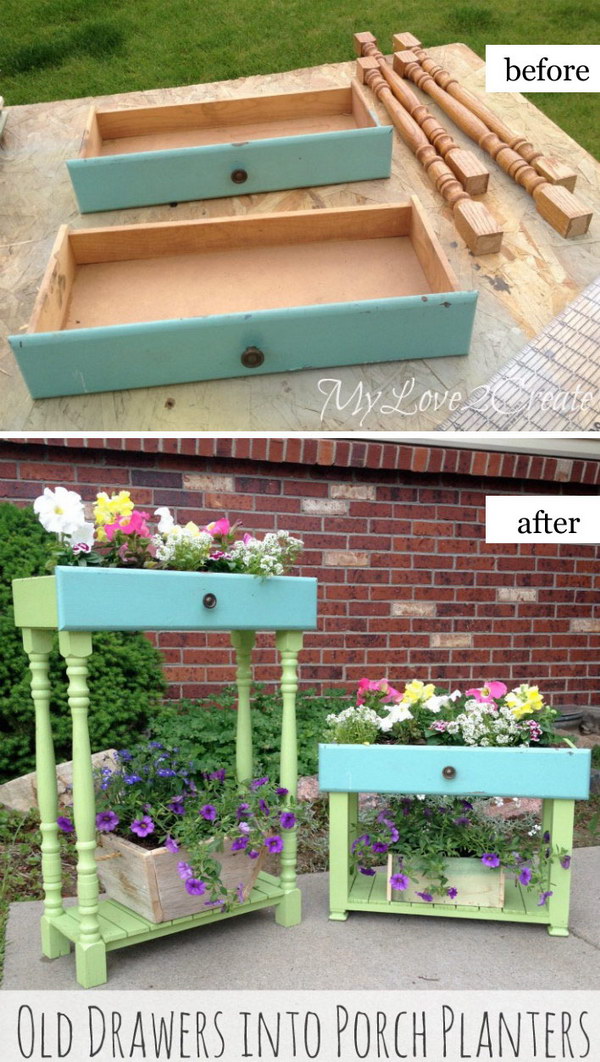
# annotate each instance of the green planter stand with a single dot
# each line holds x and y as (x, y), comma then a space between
(558, 776)
(77, 601)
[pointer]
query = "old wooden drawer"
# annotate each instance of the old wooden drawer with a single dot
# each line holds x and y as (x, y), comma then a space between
(560, 773)
(135, 306)
(118, 599)
(228, 147)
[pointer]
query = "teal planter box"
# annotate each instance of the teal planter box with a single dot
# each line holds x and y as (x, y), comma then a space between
(559, 773)
(143, 305)
(146, 155)
(118, 599)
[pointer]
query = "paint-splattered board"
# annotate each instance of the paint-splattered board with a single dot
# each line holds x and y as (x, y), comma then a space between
(553, 384)
(533, 278)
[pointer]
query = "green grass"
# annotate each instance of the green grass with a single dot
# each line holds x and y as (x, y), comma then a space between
(59, 49)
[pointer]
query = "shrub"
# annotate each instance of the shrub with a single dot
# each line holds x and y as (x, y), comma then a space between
(125, 675)
(204, 730)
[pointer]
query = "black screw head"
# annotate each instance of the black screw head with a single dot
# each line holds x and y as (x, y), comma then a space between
(209, 600)
(239, 176)
(252, 358)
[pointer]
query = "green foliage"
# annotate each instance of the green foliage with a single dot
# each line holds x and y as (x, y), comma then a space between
(204, 730)
(159, 48)
(596, 756)
(125, 674)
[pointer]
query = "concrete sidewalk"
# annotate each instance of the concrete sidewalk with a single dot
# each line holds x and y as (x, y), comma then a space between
(369, 951)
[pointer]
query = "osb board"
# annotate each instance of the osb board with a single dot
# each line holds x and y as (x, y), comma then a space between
(551, 385)
(522, 288)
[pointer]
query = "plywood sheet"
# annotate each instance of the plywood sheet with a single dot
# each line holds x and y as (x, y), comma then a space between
(522, 288)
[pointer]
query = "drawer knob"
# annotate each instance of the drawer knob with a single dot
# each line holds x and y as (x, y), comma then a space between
(209, 600)
(449, 772)
(252, 358)
(239, 176)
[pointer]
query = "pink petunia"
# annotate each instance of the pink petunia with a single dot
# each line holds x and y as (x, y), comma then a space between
(218, 527)
(132, 525)
(377, 686)
(488, 693)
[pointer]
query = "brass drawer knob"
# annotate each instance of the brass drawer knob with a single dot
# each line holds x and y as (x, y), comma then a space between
(209, 600)
(449, 772)
(239, 176)
(252, 358)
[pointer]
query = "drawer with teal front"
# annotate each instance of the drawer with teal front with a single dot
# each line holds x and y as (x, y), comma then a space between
(144, 155)
(175, 302)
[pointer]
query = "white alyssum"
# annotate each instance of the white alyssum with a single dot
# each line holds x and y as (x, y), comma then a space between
(358, 712)
(272, 555)
(201, 543)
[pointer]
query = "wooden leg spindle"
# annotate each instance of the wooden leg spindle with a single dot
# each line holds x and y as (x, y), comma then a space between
(243, 643)
(289, 644)
(473, 220)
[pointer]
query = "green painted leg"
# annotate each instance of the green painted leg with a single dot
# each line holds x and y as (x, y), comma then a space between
(289, 644)
(243, 643)
(561, 817)
(340, 807)
(38, 644)
(76, 646)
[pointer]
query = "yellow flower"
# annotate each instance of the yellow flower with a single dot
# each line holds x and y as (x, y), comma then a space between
(107, 510)
(524, 700)
(192, 529)
(417, 691)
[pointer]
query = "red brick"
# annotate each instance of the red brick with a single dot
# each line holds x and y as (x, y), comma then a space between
(48, 473)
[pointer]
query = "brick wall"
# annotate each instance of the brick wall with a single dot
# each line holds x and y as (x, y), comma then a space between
(394, 534)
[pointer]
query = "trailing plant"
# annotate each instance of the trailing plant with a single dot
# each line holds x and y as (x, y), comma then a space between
(126, 680)
(424, 832)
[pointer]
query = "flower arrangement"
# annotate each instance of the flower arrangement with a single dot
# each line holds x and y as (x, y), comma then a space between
(423, 713)
(422, 833)
(152, 798)
(121, 536)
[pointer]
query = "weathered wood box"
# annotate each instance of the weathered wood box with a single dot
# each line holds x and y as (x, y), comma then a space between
(174, 302)
(118, 599)
(146, 880)
(185, 151)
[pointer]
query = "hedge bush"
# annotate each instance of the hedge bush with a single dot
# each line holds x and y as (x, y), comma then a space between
(126, 680)
(204, 730)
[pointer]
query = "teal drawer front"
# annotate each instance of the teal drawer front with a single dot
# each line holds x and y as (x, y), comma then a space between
(141, 179)
(524, 772)
(117, 357)
(93, 599)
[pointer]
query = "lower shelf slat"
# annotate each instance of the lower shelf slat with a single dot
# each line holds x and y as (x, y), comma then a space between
(120, 926)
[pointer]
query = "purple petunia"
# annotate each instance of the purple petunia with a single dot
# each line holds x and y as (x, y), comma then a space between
(490, 859)
(367, 871)
(264, 807)
(242, 810)
(125, 755)
(131, 779)
(177, 806)
(239, 844)
(565, 862)
(217, 776)
(142, 827)
(379, 847)
(166, 772)
(244, 827)
(363, 839)
(253, 854)
(425, 896)
(394, 835)
(257, 783)
(281, 791)
(462, 820)
(240, 892)
(525, 876)
(195, 887)
(171, 845)
(399, 882)
(546, 836)
(209, 812)
(544, 897)
(65, 824)
(452, 892)
(274, 844)
(467, 805)
(184, 870)
(107, 821)
(287, 820)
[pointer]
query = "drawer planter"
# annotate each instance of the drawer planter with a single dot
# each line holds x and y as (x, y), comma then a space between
(478, 886)
(175, 302)
(167, 154)
(558, 775)
(77, 601)
(146, 880)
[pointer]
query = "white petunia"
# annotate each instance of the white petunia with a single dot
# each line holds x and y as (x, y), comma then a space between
(399, 713)
(166, 522)
(435, 704)
(82, 536)
(60, 510)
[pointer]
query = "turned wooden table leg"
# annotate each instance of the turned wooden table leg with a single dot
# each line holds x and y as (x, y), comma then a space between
(243, 643)
(471, 173)
(90, 950)
(38, 644)
(558, 820)
(473, 220)
(341, 835)
(289, 644)
(555, 171)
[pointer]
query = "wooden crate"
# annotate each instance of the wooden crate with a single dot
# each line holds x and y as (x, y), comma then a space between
(134, 306)
(476, 884)
(146, 880)
(146, 155)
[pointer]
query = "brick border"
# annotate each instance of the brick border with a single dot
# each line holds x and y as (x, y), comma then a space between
(349, 453)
